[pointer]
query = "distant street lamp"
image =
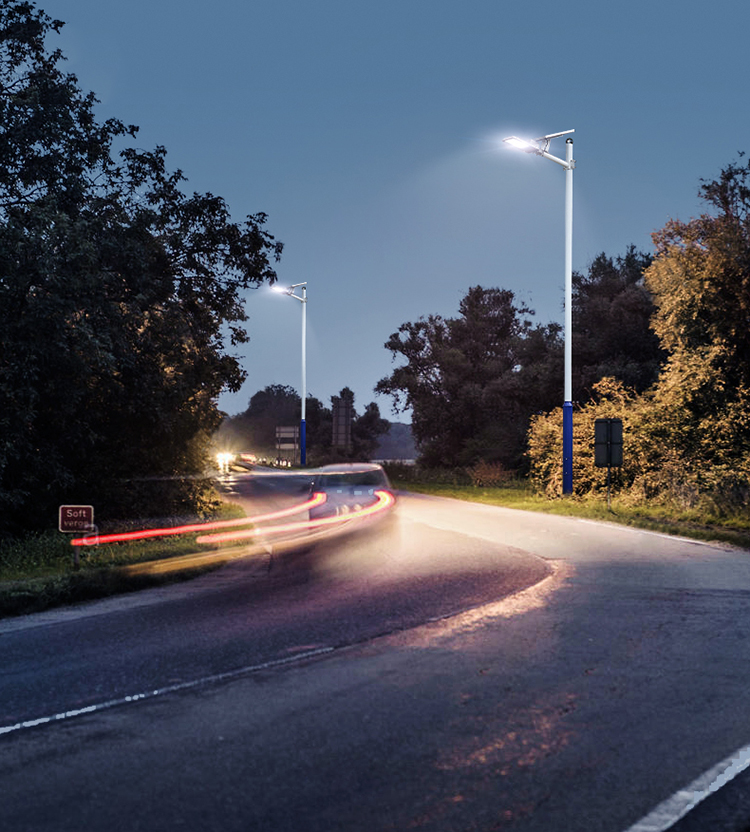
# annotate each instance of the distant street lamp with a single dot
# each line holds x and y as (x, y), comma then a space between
(540, 147)
(303, 300)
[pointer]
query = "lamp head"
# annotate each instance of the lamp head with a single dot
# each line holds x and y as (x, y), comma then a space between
(540, 147)
(289, 290)
(522, 144)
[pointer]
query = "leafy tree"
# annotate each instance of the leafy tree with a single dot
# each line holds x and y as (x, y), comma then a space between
(612, 336)
(271, 407)
(472, 382)
(118, 295)
(700, 281)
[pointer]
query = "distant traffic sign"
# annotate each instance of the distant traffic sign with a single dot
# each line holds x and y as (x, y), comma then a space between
(76, 519)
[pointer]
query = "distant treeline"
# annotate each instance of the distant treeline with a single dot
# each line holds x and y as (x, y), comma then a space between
(278, 405)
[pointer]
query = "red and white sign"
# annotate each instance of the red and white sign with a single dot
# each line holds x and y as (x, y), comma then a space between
(76, 519)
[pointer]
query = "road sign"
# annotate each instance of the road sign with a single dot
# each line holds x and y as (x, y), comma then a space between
(76, 519)
(608, 443)
(287, 440)
(343, 409)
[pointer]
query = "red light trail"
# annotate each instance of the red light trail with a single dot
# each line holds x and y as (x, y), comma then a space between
(384, 501)
(143, 534)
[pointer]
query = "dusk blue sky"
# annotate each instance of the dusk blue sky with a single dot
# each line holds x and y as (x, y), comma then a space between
(368, 132)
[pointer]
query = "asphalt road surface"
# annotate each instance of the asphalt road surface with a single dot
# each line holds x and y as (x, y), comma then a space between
(476, 668)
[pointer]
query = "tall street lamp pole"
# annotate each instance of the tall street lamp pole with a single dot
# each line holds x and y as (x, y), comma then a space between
(540, 147)
(302, 297)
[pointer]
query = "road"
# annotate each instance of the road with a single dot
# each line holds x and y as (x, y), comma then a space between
(495, 670)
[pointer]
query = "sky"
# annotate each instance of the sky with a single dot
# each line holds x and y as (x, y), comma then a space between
(370, 134)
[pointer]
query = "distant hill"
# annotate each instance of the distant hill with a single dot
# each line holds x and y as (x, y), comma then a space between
(398, 443)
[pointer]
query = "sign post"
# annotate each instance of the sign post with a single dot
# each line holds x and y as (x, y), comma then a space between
(608, 446)
(76, 520)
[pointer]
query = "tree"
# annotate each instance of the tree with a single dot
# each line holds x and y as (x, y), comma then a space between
(687, 438)
(700, 281)
(118, 294)
(367, 428)
(612, 336)
(472, 382)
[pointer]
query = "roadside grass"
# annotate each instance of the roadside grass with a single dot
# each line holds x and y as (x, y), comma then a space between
(665, 519)
(39, 571)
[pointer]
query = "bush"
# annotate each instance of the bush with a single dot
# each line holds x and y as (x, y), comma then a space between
(654, 470)
(612, 400)
(398, 472)
(489, 475)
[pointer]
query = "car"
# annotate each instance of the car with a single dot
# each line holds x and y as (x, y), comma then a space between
(350, 488)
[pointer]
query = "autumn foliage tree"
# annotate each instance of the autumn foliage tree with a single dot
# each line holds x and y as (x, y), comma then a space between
(688, 435)
(119, 296)
(700, 281)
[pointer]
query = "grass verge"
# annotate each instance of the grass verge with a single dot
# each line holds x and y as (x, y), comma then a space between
(39, 571)
(657, 518)
(38, 594)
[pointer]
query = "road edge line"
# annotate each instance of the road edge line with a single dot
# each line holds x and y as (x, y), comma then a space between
(668, 812)
(151, 694)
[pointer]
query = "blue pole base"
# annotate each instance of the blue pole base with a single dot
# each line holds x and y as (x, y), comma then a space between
(567, 448)
(302, 443)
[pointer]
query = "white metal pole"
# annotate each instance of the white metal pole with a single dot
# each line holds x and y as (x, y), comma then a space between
(568, 271)
(540, 146)
(568, 402)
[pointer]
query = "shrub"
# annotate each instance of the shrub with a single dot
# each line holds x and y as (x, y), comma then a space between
(399, 472)
(489, 475)
(612, 400)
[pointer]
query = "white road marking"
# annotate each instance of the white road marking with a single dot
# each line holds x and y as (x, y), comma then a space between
(667, 813)
(136, 697)
(510, 605)
(711, 544)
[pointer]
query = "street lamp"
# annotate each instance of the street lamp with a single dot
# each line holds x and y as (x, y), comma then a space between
(303, 300)
(540, 147)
